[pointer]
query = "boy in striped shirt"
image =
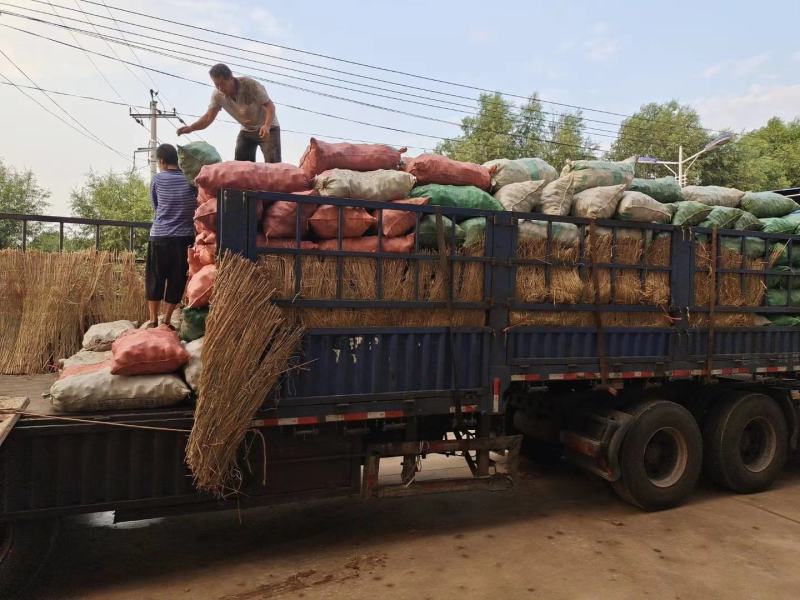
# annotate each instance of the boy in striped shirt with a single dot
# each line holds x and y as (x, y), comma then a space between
(171, 234)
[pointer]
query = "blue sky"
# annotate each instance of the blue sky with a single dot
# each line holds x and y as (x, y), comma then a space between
(736, 62)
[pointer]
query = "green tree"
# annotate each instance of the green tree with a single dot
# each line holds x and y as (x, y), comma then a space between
(659, 130)
(117, 196)
(530, 130)
(767, 158)
(569, 140)
(486, 136)
(19, 193)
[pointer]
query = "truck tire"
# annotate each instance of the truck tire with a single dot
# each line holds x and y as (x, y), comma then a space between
(24, 548)
(746, 442)
(661, 456)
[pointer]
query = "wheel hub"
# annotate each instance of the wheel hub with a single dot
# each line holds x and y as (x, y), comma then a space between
(758, 444)
(665, 457)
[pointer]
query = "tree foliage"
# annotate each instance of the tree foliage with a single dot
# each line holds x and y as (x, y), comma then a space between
(118, 196)
(500, 130)
(19, 193)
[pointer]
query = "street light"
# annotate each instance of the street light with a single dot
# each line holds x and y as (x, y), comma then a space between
(682, 170)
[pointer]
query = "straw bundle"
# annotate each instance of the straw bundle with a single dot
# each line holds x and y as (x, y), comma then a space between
(401, 279)
(733, 289)
(241, 364)
(50, 298)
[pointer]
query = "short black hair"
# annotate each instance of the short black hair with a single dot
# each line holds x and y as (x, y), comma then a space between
(220, 71)
(167, 153)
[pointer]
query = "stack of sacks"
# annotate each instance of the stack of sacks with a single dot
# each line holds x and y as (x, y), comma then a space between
(506, 171)
(96, 344)
(234, 175)
(360, 172)
(139, 374)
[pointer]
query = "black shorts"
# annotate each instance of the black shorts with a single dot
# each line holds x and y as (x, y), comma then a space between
(167, 267)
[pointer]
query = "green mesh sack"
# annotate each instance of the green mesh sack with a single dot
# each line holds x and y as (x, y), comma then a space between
(539, 169)
(456, 196)
(691, 213)
(426, 232)
(768, 204)
(563, 233)
(783, 298)
(663, 189)
(506, 171)
(722, 217)
(474, 230)
(784, 320)
(779, 225)
(193, 325)
(781, 251)
(748, 222)
(782, 281)
(596, 173)
(195, 155)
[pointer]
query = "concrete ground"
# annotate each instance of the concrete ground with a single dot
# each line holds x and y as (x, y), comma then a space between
(560, 533)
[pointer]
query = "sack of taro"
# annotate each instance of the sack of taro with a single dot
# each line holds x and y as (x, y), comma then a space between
(193, 369)
(99, 337)
(435, 168)
(595, 173)
(597, 203)
(200, 287)
(378, 186)
(370, 243)
(194, 156)
(354, 221)
(663, 189)
(635, 206)
(456, 196)
(556, 197)
(520, 197)
(506, 171)
(713, 195)
(84, 357)
(399, 222)
(322, 156)
(252, 176)
(147, 352)
(768, 204)
(93, 387)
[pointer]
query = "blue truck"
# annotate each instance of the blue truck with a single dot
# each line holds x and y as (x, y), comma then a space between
(647, 408)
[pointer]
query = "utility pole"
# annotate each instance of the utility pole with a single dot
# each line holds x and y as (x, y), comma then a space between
(684, 164)
(153, 115)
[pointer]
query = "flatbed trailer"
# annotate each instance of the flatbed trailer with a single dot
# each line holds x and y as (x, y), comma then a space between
(645, 408)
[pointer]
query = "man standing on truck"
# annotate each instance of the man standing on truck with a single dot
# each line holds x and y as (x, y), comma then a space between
(171, 234)
(247, 101)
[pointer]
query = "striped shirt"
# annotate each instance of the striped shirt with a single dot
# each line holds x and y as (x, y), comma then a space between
(175, 202)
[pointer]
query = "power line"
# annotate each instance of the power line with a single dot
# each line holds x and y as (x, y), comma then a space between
(364, 65)
(323, 94)
(57, 116)
(117, 103)
(153, 48)
(359, 75)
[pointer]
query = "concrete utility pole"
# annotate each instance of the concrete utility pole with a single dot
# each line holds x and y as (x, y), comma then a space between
(153, 115)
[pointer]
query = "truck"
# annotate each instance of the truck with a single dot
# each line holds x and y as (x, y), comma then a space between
(646, 408)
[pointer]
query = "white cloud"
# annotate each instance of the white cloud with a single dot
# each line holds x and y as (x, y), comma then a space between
(750, 109)
(737, 68)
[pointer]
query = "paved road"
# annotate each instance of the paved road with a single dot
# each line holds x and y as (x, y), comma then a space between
(559, 534)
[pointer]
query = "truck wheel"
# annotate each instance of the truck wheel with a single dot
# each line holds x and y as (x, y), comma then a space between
(746, 442)
(24, 548)
(661, 456)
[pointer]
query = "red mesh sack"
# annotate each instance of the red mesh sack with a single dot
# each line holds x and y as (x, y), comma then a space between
(205, 236)
(194, 261)
(355, 221)
(404, 244)
(252, 176)
(280, 219)
(203, 196)
(321, 156)
(206, 254)
(434, 168)
(263, 241)
(147, 351)
(200, 287)
(400, 222)
(206, 216)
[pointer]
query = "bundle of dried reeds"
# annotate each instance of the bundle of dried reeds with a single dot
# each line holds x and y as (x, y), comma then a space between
(242, 361)
(733, 289)
(49, 299)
